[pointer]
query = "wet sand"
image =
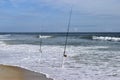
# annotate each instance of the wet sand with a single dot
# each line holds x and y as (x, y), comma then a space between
(17, 73)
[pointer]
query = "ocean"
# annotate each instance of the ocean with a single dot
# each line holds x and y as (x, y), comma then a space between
(90, 56)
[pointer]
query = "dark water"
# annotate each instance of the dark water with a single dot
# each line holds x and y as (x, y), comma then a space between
(75, 39)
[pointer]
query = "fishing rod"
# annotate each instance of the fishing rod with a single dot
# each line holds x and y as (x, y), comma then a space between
(66, 39)
(40, 47)
(40, 37)
(68, 29)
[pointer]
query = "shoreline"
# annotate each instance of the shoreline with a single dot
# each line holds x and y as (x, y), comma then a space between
(17, 73)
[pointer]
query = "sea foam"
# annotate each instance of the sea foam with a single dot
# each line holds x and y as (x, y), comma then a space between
(82, 63)
(106, 38)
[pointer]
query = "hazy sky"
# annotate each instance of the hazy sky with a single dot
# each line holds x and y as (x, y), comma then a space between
(52, 15)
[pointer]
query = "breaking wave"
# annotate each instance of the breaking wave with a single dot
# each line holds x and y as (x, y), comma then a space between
(106, 38)
(40, 36)
(3, 36)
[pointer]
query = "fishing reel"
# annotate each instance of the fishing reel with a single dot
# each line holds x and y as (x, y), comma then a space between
(65, 55)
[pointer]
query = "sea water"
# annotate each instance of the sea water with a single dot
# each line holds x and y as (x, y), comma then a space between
(90, 56)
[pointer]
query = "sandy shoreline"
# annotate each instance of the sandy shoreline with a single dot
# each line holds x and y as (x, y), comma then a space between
(17, 73)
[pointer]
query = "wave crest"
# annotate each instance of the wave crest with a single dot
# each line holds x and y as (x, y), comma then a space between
(106, 38)
(3, 36)
(44, 36)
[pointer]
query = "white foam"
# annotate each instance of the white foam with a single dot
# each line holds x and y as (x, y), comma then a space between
(2, 44)
(106, 38)
(49, 62)
(44, 36)
(3, 36)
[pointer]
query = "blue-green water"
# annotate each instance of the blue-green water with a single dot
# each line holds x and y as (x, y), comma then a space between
(91, 56)
(74, 39)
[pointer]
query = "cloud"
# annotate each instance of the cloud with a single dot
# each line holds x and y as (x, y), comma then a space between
(110, 7)
(88, 15)
(96, 7)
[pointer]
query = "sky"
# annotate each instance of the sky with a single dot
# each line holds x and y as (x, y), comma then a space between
(53, 15)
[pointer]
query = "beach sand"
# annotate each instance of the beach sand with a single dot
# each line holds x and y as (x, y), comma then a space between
(17, 73)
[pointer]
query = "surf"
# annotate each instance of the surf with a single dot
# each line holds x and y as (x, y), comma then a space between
(106, 38)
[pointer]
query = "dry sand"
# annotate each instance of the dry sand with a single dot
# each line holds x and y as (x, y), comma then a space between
(17, 73)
